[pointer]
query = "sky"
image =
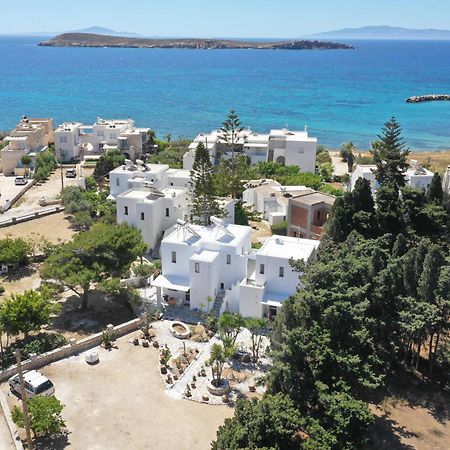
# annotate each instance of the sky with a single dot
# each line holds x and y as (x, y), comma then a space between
(214, 18)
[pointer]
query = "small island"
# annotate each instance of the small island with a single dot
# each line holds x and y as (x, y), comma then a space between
(97, 40)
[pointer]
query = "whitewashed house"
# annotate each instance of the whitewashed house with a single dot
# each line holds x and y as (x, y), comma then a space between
(30, 137)
(270, 199)
(214, 269)
(270, 277)
(74, 140)
(199, 262)
(152, 197)
(366, 171)
(446, 181)
(416, 176)
(293, 148)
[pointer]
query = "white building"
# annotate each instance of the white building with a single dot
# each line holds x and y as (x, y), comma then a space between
(270, 198)
(293, 148)
(30, 137)
(214, 268)
(366, 171)
(446, 181)
(152, 197)
(416, 176)
(270, 277)
(199, 262)
(74, 140)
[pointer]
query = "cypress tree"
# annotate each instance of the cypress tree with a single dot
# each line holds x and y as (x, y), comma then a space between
(390, 156)
(435, 193)
(204, 199)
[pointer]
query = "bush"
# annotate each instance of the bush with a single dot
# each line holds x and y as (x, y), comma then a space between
(2, 289)
(45, 416)
(330, 189)
(144, 270)
(280, 229)
(44, 165)
(38, 344)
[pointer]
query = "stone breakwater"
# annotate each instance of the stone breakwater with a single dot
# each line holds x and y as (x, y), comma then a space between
(428, 98)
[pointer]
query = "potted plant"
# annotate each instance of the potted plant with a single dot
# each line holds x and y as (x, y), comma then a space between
(106, 339)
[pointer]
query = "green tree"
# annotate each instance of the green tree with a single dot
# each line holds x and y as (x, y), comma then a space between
(45, 416)
(435, 192)
(218, 357)
(271, 423)
(75, 200)
(108, 161)
(27, 312)
(14, 251)
(347, 149)
(102, 253)
(230, 325)
(204, 199)
(230, 132)
(390, 214)
(390, 155)
(257, 327)
(26, 161)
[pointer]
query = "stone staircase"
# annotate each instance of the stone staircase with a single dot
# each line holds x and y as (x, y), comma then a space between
(218, 304)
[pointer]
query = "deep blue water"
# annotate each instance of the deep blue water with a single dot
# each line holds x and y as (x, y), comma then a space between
(341, 95)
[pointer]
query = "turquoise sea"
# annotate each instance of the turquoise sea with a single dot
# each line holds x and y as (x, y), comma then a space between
(341, 95)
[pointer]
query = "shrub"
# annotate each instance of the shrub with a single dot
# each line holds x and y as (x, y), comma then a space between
(45, 416)
(280, 229)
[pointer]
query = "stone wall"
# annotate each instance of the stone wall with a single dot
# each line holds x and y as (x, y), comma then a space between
(74, 348)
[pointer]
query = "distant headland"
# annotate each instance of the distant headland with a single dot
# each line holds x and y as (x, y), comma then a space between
(97, 40)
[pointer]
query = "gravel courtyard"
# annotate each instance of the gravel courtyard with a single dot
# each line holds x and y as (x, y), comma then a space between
(121, 403)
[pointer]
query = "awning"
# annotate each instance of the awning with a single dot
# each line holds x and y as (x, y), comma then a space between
(171, 282)
(274, 299)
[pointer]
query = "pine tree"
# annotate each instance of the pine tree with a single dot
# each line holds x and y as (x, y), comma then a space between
(231, 129)
(390, 156)
(435, 193)
(204, 199)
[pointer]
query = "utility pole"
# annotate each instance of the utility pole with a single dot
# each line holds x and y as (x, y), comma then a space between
(23, 396)
(62, 176)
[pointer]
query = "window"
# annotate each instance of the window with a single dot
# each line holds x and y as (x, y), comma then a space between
(281, 272)
(261, 269)
(117, 181)
(197, 267)
(228, 259)
(142, 216)
(167, 212)
(171, 184)
(174, 257)
(126, 210)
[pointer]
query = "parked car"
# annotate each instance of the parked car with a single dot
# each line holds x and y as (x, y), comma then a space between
(35, 384)
(20, 181)
(71, 173)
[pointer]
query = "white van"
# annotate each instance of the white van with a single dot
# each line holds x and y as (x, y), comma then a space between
(35, 384)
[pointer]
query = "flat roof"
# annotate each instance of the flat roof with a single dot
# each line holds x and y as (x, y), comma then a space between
(313, 198)
(146, 169)
(208, 235)
(285, 247)
(172, 282)
(205, 256)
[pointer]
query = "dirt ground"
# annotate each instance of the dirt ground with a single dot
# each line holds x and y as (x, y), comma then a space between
(21, 280)
(260, 231)
(436, 161)
(418, 420)
(102, 311)
(121, 403)
(54, 228)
